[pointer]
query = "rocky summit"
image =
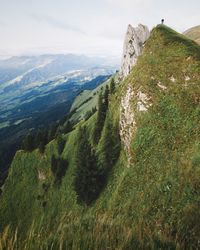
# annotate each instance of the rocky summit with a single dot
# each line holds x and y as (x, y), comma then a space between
(133, 44)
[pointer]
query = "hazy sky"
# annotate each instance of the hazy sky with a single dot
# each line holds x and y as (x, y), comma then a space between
(84, 26)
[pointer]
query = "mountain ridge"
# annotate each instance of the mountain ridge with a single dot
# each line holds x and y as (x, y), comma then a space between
(151, 196)
(193, 33)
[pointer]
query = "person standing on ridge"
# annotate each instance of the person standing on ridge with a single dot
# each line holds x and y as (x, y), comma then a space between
(162, 21)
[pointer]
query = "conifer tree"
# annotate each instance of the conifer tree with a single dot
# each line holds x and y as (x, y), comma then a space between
(90, 113)
(109, 148)
(41, 139)
(61, 170)
(87, 175)
(105, 101)
(100, 120)
(53, 164)
(52, 132)
(58, 168)
(41, 147)
(112, 86)
(37, 138)
(67, 127)
(101, 114)
(60, 144)
(29, 143)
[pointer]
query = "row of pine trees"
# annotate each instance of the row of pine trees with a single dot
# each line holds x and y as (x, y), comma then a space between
(94, 161)
(40, 138)
(95, 157)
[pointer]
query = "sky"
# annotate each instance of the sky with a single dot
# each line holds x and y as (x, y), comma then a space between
(91, 27)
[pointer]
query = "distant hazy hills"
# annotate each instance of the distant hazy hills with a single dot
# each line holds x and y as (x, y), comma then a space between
(21, 75)
(193, 33)
(37, 68)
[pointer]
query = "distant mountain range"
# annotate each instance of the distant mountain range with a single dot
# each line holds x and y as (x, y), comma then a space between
(39, 90)
(46, 66)
(193, 33)
(31, 75)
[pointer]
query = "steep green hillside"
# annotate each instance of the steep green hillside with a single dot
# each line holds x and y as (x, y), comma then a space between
(150, 201)
(86, 101)
(193, 33)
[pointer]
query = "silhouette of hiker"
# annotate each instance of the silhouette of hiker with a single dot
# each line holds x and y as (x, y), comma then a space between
(162, 21)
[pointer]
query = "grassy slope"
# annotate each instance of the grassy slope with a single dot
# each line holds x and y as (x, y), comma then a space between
(86, 101)
(193, 33)
(152, 204)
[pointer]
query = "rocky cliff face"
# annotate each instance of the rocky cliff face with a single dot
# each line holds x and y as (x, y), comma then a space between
(133, 44)
(127, 121)
(128, 124)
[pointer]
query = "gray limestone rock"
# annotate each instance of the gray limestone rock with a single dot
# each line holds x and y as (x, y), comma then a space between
(133, 44)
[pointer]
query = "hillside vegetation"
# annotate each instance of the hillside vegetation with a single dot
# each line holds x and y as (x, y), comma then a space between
(86, 101)
(151, 202)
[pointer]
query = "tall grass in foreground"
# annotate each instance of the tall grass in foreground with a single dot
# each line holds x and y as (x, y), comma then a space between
(100, 232)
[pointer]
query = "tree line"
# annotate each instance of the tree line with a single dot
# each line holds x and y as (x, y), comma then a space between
(95, 162)
(41, 137)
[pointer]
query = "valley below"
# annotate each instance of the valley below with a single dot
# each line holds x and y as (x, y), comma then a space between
(41, 95)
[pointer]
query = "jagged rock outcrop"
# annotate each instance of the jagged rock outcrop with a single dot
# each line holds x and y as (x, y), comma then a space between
(127, 121)
(133, 44)
(128, 124)
(41, 175)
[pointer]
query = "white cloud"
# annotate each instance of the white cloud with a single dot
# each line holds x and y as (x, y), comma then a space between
(130, 4)
(56, 23)
(89, 26)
